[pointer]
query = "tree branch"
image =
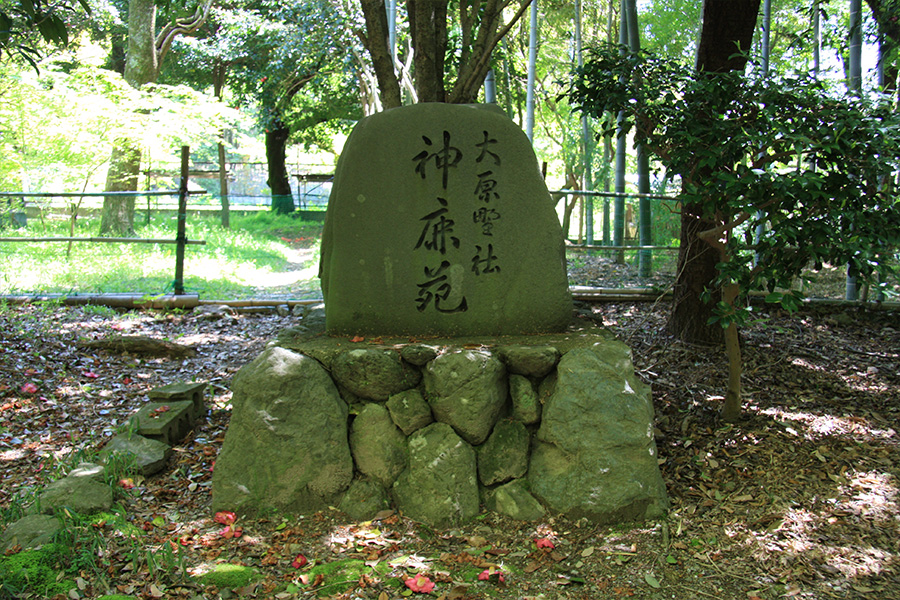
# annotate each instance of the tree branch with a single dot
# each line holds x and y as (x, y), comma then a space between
(181, 26)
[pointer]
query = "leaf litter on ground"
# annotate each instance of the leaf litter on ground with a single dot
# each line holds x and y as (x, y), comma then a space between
(799, 499)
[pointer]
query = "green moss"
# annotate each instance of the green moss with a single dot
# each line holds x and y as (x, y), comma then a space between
(230, 576)
(35, 571)
(343, 575)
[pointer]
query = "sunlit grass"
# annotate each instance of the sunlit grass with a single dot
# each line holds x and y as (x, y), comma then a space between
(249, 259)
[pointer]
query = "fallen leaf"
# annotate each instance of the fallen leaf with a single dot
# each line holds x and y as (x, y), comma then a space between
(651, 580)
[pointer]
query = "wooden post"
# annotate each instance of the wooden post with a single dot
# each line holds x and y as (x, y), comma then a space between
(181, 238)
(223, 187)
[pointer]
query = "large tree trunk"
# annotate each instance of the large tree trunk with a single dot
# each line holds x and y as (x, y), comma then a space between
(279, 181)
(727, 33)
(125, 162)
(145, 52)
(428, 28)
(479, 33)
(117, 218)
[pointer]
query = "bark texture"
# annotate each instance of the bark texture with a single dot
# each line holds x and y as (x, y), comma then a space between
(726, 36)
(279, 182)
(146, 50)
(479, 29)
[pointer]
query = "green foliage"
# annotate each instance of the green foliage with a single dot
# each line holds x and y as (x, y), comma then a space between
(291, 62)
(22, 20)
(809, 166)
(57, 128)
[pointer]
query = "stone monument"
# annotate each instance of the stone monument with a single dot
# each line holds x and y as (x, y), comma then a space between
(439, 222)
(450, 374)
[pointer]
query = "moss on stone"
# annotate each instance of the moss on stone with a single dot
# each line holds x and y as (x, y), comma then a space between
(342, 575)
(230, 576)
(34, 571)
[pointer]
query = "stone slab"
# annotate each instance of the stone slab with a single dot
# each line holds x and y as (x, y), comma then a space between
(166, 422)
(175, 392)
(439, 223)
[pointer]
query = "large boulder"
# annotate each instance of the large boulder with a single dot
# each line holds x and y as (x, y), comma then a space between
(286, 447)
(467, 390)
(440, 486)
(595, 454)
(439, 222)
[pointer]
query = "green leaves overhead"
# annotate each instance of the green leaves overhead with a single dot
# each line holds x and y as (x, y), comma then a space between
(21, 19)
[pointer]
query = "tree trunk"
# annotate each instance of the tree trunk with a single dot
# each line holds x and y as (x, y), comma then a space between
(141, 67)
(695, 272)
(731, 408)
(727, 34)
(145, 52)
(117, 218)
(428, 29)
(376, 42)
(279, 182)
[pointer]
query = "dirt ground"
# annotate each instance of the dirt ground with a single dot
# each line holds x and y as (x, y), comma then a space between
(799, 499)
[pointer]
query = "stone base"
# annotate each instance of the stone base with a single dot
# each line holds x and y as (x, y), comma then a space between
(523, 424)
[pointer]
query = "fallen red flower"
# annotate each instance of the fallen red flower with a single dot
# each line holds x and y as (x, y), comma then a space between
(544, 543)
(231, 532)
(420, 584)
(300, 561)
(488, 573)
(225, 517)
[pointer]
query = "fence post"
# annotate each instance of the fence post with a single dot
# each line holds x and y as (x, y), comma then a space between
(181, 238)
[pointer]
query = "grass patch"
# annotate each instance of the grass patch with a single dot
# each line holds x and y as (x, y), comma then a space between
(235, 263)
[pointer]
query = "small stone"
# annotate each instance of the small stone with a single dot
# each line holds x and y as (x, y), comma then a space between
(150, 456)
(418, 354)
(514, 500)
(409, 411)
(30, 532)
(525, 404)
(533, 361)
(374, 374)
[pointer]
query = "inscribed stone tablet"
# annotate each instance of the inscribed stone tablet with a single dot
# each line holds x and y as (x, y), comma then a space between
(439, 222)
